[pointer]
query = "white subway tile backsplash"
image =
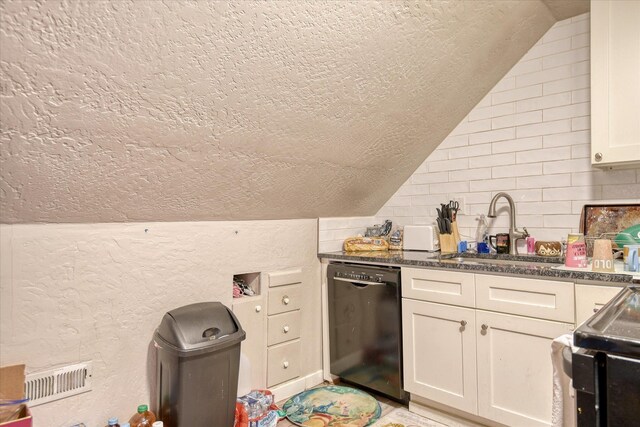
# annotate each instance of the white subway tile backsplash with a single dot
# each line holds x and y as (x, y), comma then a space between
(580, 151)
(571, 193)
(546, 49)
(517, 94)
(544, 208)
(568, 138)
(492, 111)
(525, 67)
(544, 181)
(492, 136)
(547, 128)
(559, 221)
(537, 156)
(566, 112)
(516, 170)
(470, 151)
(470, 174)
(529, 136)
(542, 102)
(580, 95)
(448, 165)
(570, 57)
(429, 178)
(580, 40)
(453, 141)
(543, 76)
(492, 160)
(564, 85)
(516, 145)
(581, 68)
(501, 184)
(451, 187)
(516, 120)
(505, 84)
(580, 123)
(627, 191)
(567, 166)
(601, 177)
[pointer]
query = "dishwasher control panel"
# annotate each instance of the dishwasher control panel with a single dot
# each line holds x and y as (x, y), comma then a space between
(354, 275)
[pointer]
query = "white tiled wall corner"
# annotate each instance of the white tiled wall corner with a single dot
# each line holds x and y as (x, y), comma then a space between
(333, 231)
(530, 136)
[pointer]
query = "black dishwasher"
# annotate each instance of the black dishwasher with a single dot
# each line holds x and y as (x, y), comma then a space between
(365, 334)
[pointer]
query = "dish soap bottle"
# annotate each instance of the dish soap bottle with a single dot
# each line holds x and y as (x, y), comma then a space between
(482, 235)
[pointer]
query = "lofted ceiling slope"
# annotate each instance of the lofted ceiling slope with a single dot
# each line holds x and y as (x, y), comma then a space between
(176, 111)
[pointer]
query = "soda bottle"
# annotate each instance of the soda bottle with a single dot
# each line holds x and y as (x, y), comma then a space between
(144, 417)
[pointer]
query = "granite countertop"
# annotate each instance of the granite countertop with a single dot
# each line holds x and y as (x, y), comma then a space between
(516, 265)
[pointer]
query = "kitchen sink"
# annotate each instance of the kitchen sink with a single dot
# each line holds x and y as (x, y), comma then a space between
(471, 260)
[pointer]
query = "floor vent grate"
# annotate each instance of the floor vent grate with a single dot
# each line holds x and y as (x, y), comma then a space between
(47, 386)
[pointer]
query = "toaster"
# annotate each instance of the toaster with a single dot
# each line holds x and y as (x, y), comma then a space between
(420, 238)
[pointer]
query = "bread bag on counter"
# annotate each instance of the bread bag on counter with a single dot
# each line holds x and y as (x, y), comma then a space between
(354, 244)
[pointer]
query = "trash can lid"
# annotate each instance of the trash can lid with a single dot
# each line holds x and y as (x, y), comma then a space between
(202, 325)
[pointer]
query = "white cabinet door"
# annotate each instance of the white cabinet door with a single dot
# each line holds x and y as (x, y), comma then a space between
(250, 311)
(589, 299)
(615, 83)
(439, 348)
(515, 374)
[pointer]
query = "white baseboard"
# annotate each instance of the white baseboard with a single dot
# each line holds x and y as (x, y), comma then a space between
(288, 389)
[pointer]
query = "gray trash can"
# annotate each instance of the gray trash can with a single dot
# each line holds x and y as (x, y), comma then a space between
(198, 359)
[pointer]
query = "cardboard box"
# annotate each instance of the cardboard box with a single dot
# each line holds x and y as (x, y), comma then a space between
(12, 388)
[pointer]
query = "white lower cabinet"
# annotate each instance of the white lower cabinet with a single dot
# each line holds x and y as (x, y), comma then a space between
(590, 299)
(440, 353)
(486, 363)
(515, 374)
(251, 315)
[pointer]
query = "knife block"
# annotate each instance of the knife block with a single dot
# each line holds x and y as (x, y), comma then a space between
(448, 244)
(456, 233)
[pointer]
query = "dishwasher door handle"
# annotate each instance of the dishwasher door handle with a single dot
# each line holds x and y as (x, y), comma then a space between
(359, 282)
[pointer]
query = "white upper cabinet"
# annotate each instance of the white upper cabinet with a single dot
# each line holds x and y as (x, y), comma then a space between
(615, 83)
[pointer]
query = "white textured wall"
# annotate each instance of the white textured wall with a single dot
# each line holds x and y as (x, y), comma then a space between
(71, 293)
(530, 137)
(116, 111)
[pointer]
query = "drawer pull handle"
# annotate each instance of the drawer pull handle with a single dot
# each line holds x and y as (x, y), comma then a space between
(463, 323)
(285, 329)
(285, 300)
(595, 309)
(258, 308)
(285, 365)
(485, 327)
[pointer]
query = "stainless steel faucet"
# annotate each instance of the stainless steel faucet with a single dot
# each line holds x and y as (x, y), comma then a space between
(514, 233)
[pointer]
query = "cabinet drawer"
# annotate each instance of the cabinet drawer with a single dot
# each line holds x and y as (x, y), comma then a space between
(544, 299)
(443, 286)
(283, 299)
(283, 327)
(283, 362)
(590, 299)
(283, 278)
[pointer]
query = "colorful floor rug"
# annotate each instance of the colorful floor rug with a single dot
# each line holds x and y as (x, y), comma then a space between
(400, 417)
(332, 406)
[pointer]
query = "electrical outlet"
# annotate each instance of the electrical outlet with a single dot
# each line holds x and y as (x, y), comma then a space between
(462, 206)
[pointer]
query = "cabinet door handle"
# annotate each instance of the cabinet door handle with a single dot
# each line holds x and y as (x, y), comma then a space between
(595, 309)
(463, 323)
(285, 300)
(258, 308)
(285, 365)
(285, 329)
(485, 327)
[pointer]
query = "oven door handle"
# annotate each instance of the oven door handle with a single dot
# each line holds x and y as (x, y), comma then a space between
(359, 282)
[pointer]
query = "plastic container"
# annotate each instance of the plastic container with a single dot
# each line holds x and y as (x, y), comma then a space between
(143, 418)
(113, 422)
(158, 424)
(198, 349)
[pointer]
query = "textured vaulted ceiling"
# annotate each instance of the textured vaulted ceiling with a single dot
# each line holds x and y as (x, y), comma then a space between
(171, 110)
